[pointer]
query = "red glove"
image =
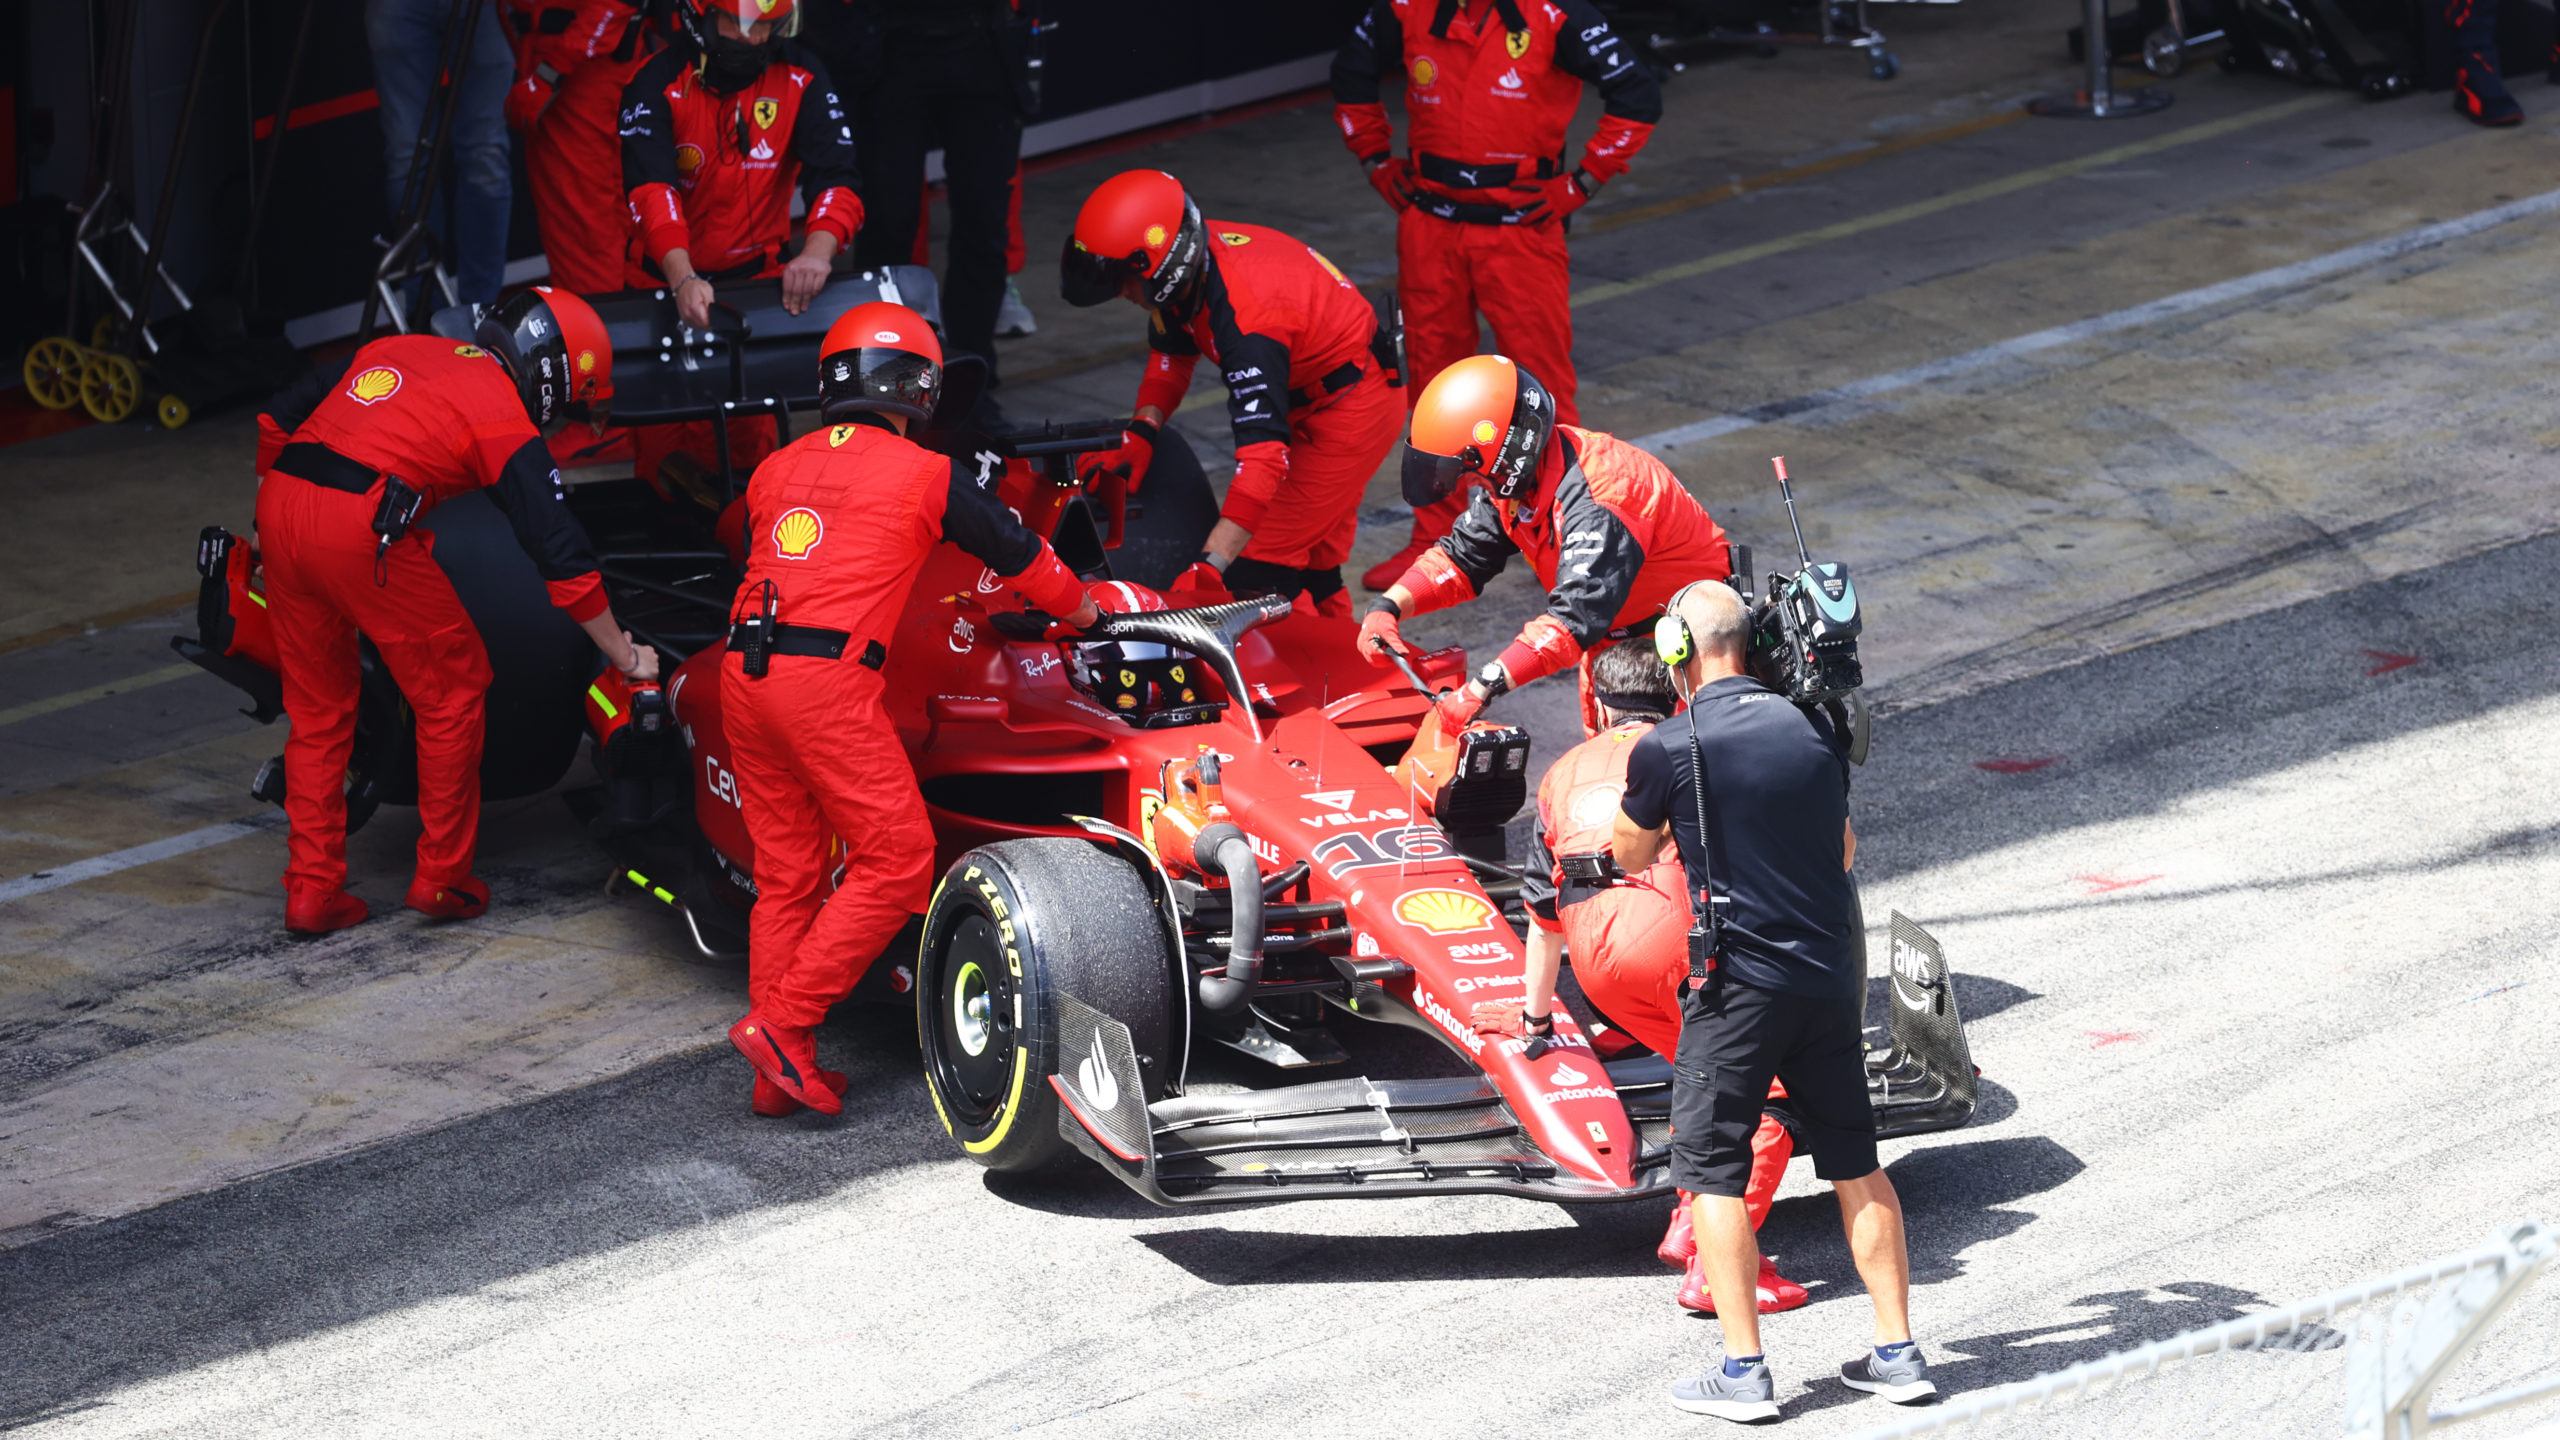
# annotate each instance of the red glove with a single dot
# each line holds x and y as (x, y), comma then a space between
(1560, 197)
(1137, 451)
(1202, 584)
(1379, 633)
(1393, 180)
(525, 102)
(1458, 709)
(1509, 1018)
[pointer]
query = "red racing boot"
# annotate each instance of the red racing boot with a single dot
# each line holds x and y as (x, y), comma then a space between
(787, 1058)
(319, 914)
(1679, 1243)
(465, 899)
(773, 1102)
(1777, 1292)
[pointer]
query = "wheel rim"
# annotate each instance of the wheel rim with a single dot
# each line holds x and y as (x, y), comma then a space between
(972, 1036)
(53, 373)
(173, 411)
(110, 387)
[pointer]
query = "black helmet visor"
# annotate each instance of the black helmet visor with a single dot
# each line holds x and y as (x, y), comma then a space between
(1430, 479)
(1085, 278)
(891, 382)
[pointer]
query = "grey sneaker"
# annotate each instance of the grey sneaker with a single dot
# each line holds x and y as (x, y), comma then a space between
(1903, 1380)
(1752, 1398)
(1013, 318)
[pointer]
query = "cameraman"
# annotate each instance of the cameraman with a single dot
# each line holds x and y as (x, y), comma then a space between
(1772, 1001)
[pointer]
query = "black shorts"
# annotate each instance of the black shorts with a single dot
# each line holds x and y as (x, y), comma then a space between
(1733, 1039)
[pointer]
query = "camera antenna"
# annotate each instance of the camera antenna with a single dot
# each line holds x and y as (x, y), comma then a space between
(1803, 555)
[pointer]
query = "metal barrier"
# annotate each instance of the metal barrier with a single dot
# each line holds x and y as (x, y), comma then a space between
(2365, 1362)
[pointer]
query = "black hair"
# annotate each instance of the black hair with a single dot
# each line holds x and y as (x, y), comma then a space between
(1632, 680)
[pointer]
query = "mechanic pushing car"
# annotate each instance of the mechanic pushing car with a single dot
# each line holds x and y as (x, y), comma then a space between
(1610, 532)
(415, 421)
(839, 523)
(1308, 395)
(1482, 193)
(573, 59)
(1627, 934)
(715, 132)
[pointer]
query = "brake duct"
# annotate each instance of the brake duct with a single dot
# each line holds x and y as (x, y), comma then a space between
(1222, 849)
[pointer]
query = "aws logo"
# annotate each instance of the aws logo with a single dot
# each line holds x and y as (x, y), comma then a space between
(372, 387)
(798, 532)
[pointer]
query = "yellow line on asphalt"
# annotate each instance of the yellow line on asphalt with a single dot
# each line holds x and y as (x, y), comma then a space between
(1736, 189)
(51, 703)
(1989, 189)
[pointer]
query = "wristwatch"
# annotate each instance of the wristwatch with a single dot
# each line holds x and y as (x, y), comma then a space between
(1495, 680)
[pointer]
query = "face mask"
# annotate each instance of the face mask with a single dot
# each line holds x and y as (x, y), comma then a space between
(729, 66)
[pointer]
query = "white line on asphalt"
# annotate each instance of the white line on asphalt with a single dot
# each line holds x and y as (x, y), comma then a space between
(109, 864)
(2168, 307)
(126, 686)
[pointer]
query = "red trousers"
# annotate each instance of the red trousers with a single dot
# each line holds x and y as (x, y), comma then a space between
(318, 548)
(1517, 276)
(817, 758)
(574, 159)
(1334, 450)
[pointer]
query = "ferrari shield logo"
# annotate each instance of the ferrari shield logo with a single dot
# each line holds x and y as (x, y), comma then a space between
(839, 435)
(768, 111)
(1517, 42)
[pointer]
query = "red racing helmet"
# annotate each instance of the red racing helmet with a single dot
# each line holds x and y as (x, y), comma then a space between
(1484, 417)
(555, 348)
(1139, 224)
(1142, 681)
(880, 358)
(746, 12)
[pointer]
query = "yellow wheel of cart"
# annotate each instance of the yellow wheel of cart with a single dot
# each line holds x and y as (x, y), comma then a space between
(173, 412)
(101, 332)
(111, 388)
(53, 372)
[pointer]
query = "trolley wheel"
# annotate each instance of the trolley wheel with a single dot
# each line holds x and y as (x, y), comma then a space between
(2164, 52)
(53, 372)
(102, 332)
(111, 388)
(1882, 65)
(173, 412)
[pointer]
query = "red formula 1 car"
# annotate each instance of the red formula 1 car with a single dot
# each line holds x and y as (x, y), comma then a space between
(1205, 824)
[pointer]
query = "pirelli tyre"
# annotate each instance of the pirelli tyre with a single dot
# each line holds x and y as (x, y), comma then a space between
(1018, 931)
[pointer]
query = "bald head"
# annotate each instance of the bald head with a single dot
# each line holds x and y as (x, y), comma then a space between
(1718, 623)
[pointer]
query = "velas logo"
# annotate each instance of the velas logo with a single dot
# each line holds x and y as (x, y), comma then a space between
(1484, 432)
(839, 435)
(1424, 72)
(1517, 41)
(374, 386)
(688, 159)
(1445, 912)
(469, 352)
(767, 111)
(797, 533)
(1155, 236)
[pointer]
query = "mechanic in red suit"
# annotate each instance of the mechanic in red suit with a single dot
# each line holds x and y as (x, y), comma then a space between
(839, 524)
(1308, 398)
(716, 129)
(1629, 939)
(1611, 533)
(573, 59)
(444, 419)
(1483, 189)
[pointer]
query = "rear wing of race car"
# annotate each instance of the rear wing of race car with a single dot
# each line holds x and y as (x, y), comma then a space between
(1924, 1077)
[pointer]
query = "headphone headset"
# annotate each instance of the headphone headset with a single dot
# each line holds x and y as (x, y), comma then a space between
(1671, 638)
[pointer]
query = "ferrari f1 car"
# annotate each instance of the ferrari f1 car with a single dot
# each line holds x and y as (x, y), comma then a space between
(1196, 825)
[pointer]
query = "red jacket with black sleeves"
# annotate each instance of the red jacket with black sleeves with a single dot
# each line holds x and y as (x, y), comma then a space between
(446, 420)
(1287, 331)
(1490, 86)
(841, 520)
(711, 174)
(1611, 533)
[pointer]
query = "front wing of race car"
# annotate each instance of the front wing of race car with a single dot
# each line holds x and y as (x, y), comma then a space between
(1363, 1138)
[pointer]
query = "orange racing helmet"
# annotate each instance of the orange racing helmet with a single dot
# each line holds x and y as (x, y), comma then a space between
(882, 358)
(1485, 417)
(1137, 224)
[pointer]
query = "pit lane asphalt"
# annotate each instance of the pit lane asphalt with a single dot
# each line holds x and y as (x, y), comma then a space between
(2254, 966)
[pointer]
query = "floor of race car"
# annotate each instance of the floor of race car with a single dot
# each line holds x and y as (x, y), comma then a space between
(2219, 684)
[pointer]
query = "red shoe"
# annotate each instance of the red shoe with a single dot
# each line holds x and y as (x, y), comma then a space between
(1777, 1292)
(773, 1102)
(1390, 570)
(465, 899)
(1679, 1243)
(310, 915)
(786, 1056)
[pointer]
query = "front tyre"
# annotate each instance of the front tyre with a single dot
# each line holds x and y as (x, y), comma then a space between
(1014, 928)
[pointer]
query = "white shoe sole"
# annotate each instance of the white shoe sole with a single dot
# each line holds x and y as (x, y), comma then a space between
(1910, 1393)
(1745, 1411)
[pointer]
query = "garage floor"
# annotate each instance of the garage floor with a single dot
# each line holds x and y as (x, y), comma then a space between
(2197, 469)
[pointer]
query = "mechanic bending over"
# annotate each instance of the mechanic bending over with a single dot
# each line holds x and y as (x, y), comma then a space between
(1309, 397)
(1627, 934)
(415, 421)
(1610, 532)
(1483, 194)
(1775, 962)
(838, 525)
(715, 131)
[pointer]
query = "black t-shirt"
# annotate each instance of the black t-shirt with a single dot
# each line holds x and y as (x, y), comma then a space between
(1777, 806)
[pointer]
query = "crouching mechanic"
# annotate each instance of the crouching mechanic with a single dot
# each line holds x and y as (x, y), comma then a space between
(1628, 935)
(1610, 532)
(439, 419)
(1309, 399)
(839, 524)
(1778, 962)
